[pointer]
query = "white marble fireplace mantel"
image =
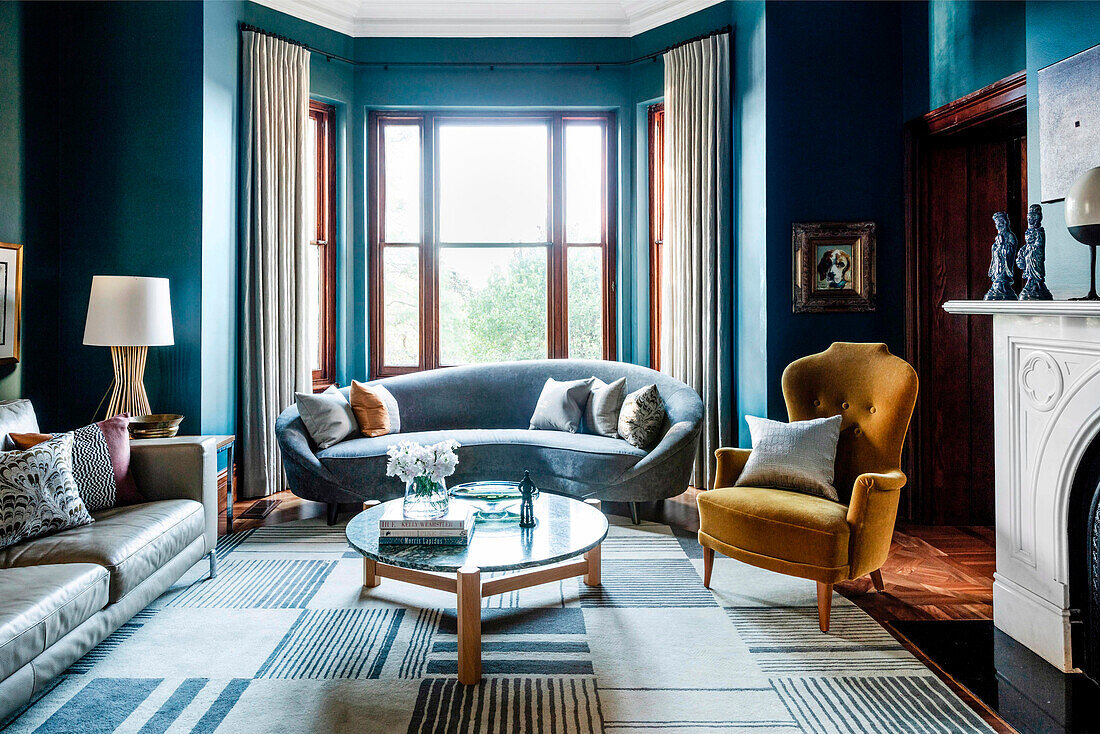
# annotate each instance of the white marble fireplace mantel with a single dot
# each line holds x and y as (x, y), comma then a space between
(1046, 391)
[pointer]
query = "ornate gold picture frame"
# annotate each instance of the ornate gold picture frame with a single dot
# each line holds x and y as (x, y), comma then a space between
(11, 299)
(834, 266)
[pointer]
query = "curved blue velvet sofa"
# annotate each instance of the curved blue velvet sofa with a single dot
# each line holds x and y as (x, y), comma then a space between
(487, 409)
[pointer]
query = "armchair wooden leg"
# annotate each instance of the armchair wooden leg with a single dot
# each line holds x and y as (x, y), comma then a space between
(824, 604)
(876, 579)
(708, 565)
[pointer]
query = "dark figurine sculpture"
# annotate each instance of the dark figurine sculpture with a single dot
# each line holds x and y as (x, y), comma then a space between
(1032, 258)
(527, 492)
(1001, 270)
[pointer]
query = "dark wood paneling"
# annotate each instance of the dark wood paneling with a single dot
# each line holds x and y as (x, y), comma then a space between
(946, 441)
(968, 160)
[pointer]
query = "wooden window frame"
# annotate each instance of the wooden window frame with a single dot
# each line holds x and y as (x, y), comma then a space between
(324, 238)
(429, 246)
(656, 129)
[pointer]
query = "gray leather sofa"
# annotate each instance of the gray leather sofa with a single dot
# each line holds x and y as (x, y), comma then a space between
(487, 408)
(62, 594)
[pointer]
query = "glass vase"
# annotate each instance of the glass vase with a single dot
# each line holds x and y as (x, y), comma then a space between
(425, 499)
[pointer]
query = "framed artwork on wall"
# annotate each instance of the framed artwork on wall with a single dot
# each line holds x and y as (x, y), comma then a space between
(1069, 121)
(11, 297)
(834, 266)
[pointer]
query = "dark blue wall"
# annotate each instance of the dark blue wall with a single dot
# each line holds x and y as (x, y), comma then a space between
(110, 125)
(28, 196)
(130, 184)
(11, 154)
(834, 153)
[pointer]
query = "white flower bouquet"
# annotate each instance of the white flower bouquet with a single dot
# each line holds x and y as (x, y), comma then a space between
(423, 469)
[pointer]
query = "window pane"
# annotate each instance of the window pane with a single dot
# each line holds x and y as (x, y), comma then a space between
(492, 183)
(313, 304)
(402, 183)
(584, 158)
(311, 179)
(585, 303)
(492, 304)
(401, 306)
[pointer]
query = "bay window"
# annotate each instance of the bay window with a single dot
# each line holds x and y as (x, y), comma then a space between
(491, 238)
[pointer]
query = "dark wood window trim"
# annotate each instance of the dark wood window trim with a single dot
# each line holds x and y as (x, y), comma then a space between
(656, 226)
(324, 238)
(429, 246)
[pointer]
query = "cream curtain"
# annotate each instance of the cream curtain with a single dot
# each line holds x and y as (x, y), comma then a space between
(697, 275)
(273, 358)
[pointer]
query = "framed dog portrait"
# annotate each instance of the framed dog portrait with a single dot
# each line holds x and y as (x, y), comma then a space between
(834, 266)
(11, 296)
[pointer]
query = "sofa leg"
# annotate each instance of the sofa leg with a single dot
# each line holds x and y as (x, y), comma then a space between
(876, 579)
(708, 565)
(331, 511)
(634, 513)
(213, 558)
(824, 605)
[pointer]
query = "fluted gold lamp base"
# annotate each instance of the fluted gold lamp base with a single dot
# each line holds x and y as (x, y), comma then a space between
(128, 392)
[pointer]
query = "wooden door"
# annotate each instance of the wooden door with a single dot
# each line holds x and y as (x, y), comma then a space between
(962, 178)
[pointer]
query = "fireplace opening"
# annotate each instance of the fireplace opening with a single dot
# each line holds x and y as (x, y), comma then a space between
(1084, 563)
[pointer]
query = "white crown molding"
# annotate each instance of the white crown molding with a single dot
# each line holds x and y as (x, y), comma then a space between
(499, 19)
(339, 17)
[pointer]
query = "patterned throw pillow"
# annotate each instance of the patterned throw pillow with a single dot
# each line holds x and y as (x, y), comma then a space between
(100, 462)
(38, 493)
(797, 456)
(642, 417)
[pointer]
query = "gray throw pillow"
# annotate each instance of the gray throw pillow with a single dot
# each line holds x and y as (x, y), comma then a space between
(601, 415)
(642, 417)
(38, 495)
(328, 416)
(798, 456)
(560, 406)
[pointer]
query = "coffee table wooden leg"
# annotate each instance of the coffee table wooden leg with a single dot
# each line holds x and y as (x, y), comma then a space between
(469, 625)
(370, 576)
(592, 577)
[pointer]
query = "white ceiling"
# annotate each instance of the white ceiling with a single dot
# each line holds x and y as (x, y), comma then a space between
(489, 18)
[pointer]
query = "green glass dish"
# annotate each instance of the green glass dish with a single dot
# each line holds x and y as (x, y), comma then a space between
(493, 501)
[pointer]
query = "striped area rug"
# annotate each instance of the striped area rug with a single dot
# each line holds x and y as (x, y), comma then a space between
(285, 639)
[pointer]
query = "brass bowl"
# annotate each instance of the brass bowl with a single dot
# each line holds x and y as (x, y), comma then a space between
(156, 425)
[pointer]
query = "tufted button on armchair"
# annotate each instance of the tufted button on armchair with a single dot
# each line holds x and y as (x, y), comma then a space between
(812, 537)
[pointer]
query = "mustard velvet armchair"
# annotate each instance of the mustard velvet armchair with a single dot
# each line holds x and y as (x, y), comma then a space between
(812, 537)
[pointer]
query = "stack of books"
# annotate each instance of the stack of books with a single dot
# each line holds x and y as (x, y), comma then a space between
(455, 528)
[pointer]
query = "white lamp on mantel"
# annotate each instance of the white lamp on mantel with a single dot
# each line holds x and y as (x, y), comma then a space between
(129, 314)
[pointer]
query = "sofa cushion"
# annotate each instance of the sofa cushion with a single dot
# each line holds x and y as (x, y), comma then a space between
(492, 453)
(775, 523)
(130, 542)
(41, 604)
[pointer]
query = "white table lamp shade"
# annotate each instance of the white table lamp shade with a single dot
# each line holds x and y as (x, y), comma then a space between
(129, 311)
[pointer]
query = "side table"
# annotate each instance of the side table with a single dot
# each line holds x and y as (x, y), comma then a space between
(226, 444)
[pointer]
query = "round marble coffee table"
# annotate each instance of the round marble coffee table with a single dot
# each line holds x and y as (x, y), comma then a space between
(566, 528)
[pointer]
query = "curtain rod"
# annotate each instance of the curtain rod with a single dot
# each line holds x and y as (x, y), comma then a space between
(489, 64)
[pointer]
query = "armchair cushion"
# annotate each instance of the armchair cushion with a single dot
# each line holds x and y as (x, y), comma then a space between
(797, 456)
(776, 529)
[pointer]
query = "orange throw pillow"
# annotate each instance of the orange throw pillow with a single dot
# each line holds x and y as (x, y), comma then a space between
(370, 411)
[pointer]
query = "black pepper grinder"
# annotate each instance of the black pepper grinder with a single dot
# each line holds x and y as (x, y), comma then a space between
(527, 491)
